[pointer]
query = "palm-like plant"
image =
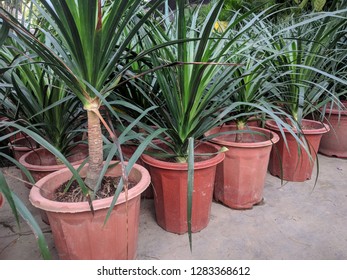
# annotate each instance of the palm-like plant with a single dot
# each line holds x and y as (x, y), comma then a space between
(210, 78)
(34, 98)
(303, 53)
(249, 87)
(193, 76)
(87, 48)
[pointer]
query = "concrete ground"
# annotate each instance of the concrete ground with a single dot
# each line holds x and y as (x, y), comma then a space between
(298, 221)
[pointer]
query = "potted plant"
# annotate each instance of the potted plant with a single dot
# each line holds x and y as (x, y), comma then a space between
(41, 102)
(193, 77)
(334, 143)
(301, 86)
(240, 178)
(88, 50)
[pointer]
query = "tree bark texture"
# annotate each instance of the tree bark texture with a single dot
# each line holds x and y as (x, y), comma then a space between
(95, 146)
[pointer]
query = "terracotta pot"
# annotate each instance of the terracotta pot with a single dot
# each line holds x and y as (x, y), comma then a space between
(128, 150)
(77, 233)
(17, 136)
(170, 179)
(240, 178)
(1, 200)
(294, 164)
(41, 162)
(21, 146)
(334, 143)
(10, 130)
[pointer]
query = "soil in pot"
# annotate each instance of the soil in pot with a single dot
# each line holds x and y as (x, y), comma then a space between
(292, 163)
(71, 192)
(80, 234)
(169, 180)
(240, 178)
(334, 143)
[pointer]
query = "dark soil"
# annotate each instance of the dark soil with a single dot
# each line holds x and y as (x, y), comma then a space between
(74, 193)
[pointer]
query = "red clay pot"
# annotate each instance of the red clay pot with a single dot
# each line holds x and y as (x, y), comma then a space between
(21, 146)
(169, 180)
(11, 130)
(334, 143)
(41, 162)
(240, 178)
(128, 150)
(77, 233)
(292, 164)
(1, 200)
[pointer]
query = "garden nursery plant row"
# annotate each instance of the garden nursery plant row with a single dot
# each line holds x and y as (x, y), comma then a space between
(105, 102)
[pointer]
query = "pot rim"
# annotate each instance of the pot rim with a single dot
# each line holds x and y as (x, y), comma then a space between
(48, 168)
(271, 124)
(12, 144)
(219, 157)
(39, 201)
(336, 111)
(274, 139)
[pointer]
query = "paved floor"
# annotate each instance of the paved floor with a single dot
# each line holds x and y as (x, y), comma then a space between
(297, 221)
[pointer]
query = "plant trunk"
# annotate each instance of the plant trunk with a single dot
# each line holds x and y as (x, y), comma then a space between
(239, 135)
(95, 149)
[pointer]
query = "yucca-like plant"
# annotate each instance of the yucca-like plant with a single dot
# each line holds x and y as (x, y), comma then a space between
(194, 76)
(210, 78)
(249, 87)
(87, 48)
(303, 53)
(33, 97)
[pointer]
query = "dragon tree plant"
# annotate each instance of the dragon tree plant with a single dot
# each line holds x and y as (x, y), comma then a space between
(193, 75)
(205, 80)
(33, 97)
(87, 48)
(303, 52)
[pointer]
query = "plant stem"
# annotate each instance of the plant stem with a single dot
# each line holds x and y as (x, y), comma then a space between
(240, 125)
(95, 146)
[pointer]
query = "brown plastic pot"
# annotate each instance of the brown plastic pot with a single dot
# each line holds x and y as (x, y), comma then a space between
(1, 200)
(240, 178)
(293, 163)
(128, 150)
(334, 143)
(21, 146)
(11, 130)
(80, 234)
(170, 180)
(42, 162)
